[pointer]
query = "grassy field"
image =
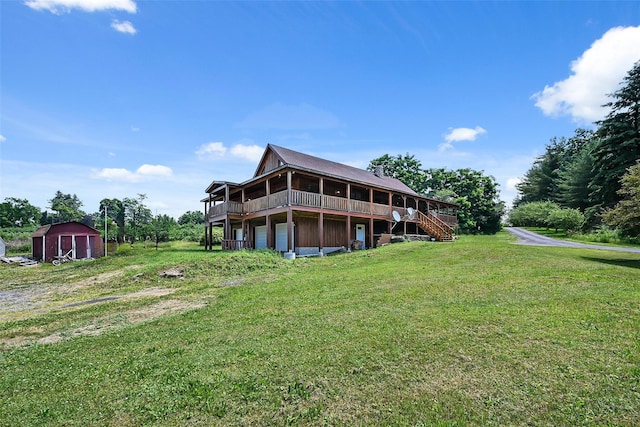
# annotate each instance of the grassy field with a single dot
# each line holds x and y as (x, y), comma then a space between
(477, 332)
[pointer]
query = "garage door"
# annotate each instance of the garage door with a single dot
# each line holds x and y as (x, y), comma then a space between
(281, 237)
(261, 237)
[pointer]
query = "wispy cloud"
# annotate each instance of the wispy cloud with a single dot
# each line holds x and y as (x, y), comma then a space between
(125, 27)
(61, 6)
(290, 117)
(2, 138)
(57, 7)
(211, 150)
(252, 153)
(244, 150)
(595, 74)
(144, 172)
(460, 134)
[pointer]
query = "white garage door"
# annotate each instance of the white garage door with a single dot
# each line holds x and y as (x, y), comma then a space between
(261, 237)
(281, 237)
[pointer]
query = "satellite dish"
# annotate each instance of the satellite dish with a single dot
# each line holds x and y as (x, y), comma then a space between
(411, 211)
(396, 216)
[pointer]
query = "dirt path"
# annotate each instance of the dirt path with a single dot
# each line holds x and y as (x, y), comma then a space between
(526, 237)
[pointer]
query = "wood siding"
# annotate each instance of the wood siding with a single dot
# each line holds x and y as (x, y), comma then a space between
(307, 232)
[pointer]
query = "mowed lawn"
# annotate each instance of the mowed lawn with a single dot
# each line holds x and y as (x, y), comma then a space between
(477, 332)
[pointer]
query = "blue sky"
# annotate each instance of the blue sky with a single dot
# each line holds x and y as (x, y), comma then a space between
(111, 98)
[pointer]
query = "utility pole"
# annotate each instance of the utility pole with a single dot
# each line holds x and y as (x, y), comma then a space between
(106, 239)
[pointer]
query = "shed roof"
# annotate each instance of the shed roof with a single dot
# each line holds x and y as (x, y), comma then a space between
(41, 231)
(46, 229)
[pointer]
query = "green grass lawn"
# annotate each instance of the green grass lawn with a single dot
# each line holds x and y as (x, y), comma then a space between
(477, 332)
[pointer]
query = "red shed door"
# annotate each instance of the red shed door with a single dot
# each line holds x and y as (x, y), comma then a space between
(66, 244)
(81, 247)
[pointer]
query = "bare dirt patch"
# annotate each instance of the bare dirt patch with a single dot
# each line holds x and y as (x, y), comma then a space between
(106, 323)
(21, 302)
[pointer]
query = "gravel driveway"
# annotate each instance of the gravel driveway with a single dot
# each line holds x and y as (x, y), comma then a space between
(526, 237)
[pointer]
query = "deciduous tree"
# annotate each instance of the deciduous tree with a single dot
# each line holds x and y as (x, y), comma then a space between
(67, 207)
(16, 212)
(626, 215)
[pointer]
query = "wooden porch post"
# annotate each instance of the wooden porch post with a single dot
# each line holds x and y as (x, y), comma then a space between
(348, 231)
(288, 188)
(290, 242)
(404, 223)
(321, 217)
(321, 230)
(245, 237)
(269, 234)
(370, 233)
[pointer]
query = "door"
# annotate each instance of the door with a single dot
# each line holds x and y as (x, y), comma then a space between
(360, 235)
(237, 237)
(281, 237)
(261, 237)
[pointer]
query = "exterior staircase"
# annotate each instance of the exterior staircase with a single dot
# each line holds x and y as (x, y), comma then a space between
(435, 227)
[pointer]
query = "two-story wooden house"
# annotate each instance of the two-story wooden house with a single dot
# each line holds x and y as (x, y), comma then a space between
(303, 204)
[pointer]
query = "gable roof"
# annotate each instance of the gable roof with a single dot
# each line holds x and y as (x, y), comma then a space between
(309, 163)
(43, 230)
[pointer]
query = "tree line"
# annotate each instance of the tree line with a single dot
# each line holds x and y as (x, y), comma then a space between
(592, 176)
(477, 195)
(125, 220)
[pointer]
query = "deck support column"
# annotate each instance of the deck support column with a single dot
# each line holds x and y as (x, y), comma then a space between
(321, 231)
(371, 233)
(269, 233)
(290, 242)
(348, 245)
(245, 238)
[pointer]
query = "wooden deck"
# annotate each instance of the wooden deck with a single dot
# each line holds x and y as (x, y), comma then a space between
(317, 201)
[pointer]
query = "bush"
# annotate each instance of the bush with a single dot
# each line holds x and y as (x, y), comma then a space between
(565, 219)
(17, 239)
(535, 214)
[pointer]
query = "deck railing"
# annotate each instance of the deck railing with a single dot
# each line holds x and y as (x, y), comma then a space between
(234, 245)
(315, 200)
(226, 208)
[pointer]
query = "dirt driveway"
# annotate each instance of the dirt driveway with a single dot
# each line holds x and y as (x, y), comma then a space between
(526, 237)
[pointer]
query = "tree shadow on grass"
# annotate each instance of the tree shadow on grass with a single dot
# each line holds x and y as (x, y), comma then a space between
(632, 263)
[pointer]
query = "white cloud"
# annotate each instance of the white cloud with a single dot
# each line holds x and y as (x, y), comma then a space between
(244, 150)
(252, 152)
(290, 117)
(116, 174)
(60, 6)
(460, 134)
(211, 150)
(511, 183)
(595, 74)
(154, 170)
(2, 138)
(125, 27)
(142, 173)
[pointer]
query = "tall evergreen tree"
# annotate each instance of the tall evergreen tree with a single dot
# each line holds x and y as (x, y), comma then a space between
(540, 183)
(575, 173)
(618, 141)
